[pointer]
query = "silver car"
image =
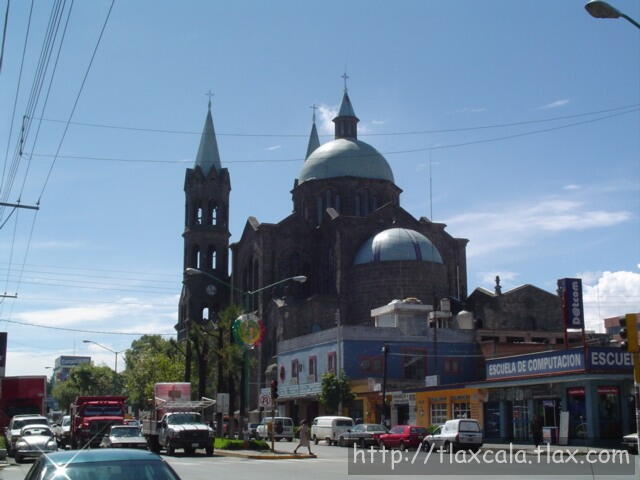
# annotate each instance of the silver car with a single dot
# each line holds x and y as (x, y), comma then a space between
(34, 440)
(455, 434)
(124, 436)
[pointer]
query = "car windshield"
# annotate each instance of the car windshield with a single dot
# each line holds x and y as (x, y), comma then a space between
(18, 424)
(102, 411)
(126, 432)
(115, 470)
(36, 431)
(182, 418)
(397, 430)
(469, 427)
(66, 421)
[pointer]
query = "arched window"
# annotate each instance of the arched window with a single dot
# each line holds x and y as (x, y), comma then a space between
(201, 260)
(213, 211)
(195, 257)
(206, 314)
(213, 263)
(199, 215)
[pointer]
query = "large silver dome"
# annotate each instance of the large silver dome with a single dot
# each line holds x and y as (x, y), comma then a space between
(345, 158)
(397, 244)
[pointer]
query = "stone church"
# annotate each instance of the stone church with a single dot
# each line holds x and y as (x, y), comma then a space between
(347, 233)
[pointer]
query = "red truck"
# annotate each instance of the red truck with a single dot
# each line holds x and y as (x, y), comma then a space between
(22, 395)
(92, 417)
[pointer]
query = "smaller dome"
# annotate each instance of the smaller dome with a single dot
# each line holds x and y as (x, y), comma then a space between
(397, 244)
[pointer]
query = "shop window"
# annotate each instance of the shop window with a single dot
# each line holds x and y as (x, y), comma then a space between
(438, 413)
(577, 413)
(451, 366)
(609, 412)
(295, 369)
(331, 362)
(461, 409)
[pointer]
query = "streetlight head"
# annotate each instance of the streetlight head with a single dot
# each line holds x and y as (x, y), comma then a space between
(300, 279)
(600, 9)
(192, 271)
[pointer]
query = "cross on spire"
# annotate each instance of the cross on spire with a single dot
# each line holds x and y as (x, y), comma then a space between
(210, 95)
(314, 107)
(345, 77)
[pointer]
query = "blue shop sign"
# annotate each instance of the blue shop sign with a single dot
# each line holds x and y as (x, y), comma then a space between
(608, 359)
(535, 364)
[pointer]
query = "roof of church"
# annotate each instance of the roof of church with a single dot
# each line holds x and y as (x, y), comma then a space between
(208, 156)
(314, 141)
(397, 244)
(345, 158)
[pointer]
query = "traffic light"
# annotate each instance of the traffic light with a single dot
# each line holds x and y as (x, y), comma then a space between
(274, 390)
(629, 332)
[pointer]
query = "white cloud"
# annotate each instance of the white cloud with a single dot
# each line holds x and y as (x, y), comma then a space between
(558, 103)
(273, 147)
(378, 122)
(612, 294)
(572, 187)
(469, 110)
(507, 227)
(326, 113)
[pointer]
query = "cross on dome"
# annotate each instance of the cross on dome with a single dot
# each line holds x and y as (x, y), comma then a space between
(209, 94)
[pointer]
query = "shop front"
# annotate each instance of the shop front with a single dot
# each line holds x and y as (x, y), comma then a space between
(594, 389)
(434, 406)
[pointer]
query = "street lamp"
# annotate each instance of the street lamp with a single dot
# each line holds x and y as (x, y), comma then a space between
(106, 348)
(600, 9)
(246, 295)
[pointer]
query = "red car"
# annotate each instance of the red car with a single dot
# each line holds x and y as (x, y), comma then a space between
(403, 437)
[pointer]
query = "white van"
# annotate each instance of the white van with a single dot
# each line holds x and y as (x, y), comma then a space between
(283, 429)
(330, 428)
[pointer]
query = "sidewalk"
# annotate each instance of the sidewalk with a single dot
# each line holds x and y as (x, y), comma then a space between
(262, 455)
(531, 449)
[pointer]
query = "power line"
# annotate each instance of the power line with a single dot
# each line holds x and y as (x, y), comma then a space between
(4, 34)
(91, 269)
(301, 135)
(97, 332)
(74, 275)
(396, 152)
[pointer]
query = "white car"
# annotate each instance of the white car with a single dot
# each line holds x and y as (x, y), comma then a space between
(456, 434)
(283, 428)
(34, 440)
(63, 431)
(12, 432)
(630, 442)
(330, 429)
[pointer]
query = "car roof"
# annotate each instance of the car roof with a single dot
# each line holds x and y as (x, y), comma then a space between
(101, 455)
(25, 417)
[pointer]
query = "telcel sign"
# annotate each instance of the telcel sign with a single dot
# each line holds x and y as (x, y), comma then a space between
(571, 295)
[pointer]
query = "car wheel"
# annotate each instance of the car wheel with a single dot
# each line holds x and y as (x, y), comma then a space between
(341, 442)
(171, 450)
(361, 443)
(209, 450)
(315, 440)
(426, 446)
(189, 451)
(447, 447)
(380, 444)
(403, 447)
(18, 458)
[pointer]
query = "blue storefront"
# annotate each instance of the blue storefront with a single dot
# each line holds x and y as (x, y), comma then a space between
(594, 385)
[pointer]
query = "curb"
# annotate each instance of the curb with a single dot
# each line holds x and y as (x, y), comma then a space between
(257, 456)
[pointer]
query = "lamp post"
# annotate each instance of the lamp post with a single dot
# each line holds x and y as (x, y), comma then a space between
(385, 352)
(106, 348)
(600, 9)
(246, 296)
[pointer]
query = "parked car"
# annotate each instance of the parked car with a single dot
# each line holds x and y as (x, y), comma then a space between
(132, 421)
(330, 428)
(124, 436)
(34, 440)
(630, 443)
(103, 463)
(12, 432)
(283, 428)
(403, 437)
(456, 434)
(363, 435)
(62, 431)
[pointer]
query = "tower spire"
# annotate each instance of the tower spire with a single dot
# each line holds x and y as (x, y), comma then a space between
(208, 156)
(346, 123)
(314, 141)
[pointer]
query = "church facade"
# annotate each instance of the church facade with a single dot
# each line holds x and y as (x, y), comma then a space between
(347, 233)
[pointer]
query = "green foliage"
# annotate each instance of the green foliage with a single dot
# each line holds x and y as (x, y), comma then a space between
(3, 443)
(151, 359)
(87, 379)
(230, 444)
(335, 390)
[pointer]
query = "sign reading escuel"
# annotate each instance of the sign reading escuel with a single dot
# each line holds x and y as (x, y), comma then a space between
(571, 297)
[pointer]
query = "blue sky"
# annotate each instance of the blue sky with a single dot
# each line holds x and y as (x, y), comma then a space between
(106, 250)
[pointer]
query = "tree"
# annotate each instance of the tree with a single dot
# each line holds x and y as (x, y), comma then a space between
(150, 360)
(335, 390)
(86, 379)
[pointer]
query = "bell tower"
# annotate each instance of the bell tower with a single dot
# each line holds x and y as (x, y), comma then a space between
(206, 236)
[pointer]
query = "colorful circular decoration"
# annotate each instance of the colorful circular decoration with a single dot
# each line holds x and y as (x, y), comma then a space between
(248, 330)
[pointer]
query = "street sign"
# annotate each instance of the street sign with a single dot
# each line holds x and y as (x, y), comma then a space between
(222, 403)
(265, 400)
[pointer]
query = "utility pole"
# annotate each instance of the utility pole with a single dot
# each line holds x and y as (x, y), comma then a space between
(385, 351)
(629, 335)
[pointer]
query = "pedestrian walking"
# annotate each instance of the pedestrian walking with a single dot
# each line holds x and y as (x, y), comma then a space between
(305, 437)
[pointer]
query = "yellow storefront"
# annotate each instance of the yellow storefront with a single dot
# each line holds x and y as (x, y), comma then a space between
(434, 407)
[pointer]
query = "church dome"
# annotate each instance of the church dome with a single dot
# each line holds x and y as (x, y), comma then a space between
(397, 244)
(345, 157)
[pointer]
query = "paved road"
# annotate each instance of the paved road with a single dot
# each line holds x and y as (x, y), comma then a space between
(331, 464)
